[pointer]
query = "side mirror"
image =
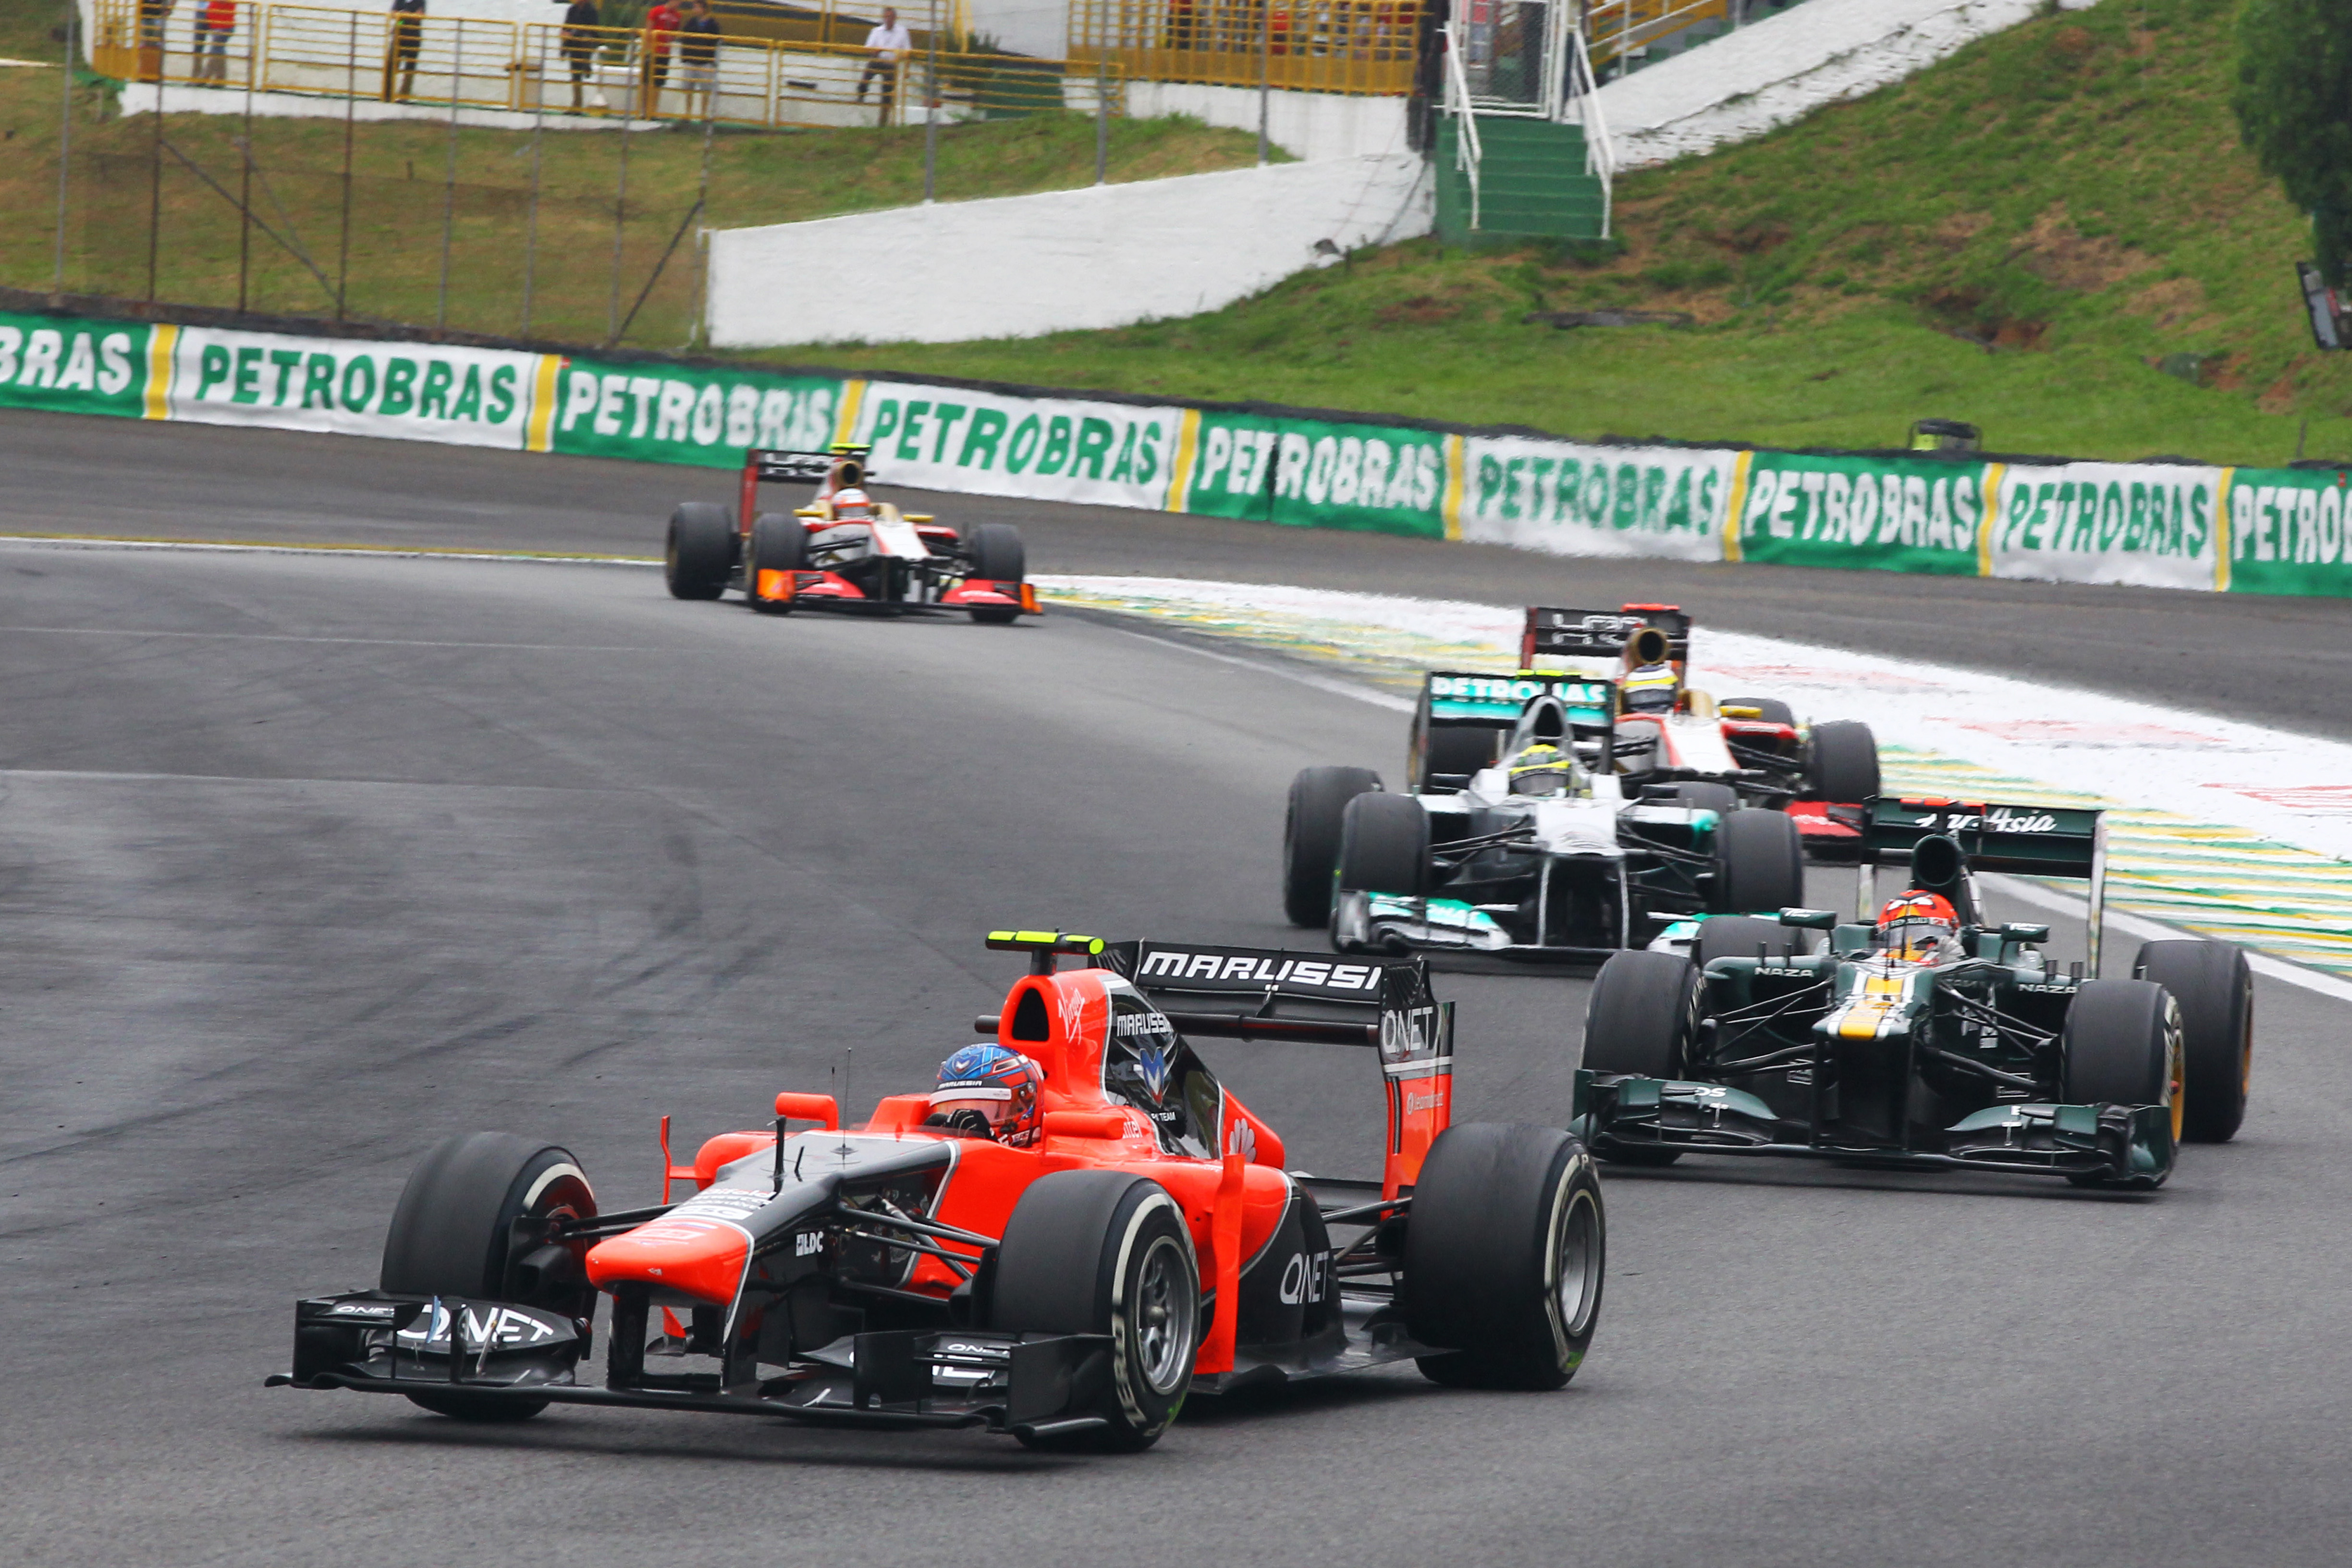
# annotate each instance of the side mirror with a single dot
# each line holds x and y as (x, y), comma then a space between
(1810, 920)
(2019, 930)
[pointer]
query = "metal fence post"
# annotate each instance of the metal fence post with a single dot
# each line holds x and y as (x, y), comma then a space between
(531, 223)
(620, 221)
(449, 183)
(931, 112)
(1102, 116)
(245, 198)
(350, 109)
(1264, 73)
(65, 157)
(156, 184)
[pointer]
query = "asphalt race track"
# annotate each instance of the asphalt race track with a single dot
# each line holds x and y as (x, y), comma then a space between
(306, 861)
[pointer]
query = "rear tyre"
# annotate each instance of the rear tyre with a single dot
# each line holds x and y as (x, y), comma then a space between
(2214, 989)
(1841, 763)
(451, 1233)
(1310, 839)
(1741, 936)
(1458, 751)
(1384, 846)
(1505, 1257)
(1105, 1252)
(1699, 795)
(2122, 1046)
(1771, 709)
(996, 553)
(700, 551)
(779, 543)
(1759, 861)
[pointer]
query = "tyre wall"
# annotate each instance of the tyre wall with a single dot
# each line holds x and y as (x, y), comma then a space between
(2178, 525)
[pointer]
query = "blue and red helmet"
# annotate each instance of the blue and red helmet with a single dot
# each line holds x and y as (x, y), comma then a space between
(987, 1089)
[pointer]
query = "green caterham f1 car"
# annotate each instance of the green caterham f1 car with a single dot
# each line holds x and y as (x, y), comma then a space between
(1979, 1052)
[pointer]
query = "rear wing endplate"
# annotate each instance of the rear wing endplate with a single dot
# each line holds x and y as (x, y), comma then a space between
(1600, 634)
(1265, 993)
(2070, 842)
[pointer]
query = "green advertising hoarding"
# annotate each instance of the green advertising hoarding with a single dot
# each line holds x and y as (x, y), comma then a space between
(69, 366)
(1316, 474)
(1891, 514)
(2287, 532)
(679, 413)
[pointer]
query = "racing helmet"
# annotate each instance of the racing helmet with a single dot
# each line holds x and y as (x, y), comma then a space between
(852, 503)
(1910, 926)
(1544, 770)
(985, 1089)
(1651, 688)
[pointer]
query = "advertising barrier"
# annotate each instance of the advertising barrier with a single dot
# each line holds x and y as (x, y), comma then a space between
(2158, 524)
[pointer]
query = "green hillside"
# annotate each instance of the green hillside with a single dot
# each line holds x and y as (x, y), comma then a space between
(2015, 237)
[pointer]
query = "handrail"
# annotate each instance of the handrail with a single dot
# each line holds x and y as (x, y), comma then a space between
(1600, 153)
(1620, 26)
(1468, 154)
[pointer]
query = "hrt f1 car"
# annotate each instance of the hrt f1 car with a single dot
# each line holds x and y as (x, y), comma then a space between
(1621, 677)
(1144, 1241)
(1973, 1052)
(843, 548)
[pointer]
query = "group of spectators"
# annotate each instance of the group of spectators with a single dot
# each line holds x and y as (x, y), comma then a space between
(694, 33)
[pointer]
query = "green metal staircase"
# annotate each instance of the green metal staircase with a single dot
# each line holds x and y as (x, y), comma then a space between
(1532, 184)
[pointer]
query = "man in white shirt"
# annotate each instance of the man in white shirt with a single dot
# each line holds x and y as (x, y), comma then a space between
(890, 44)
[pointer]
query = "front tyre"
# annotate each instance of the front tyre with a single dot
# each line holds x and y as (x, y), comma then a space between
(1640, 1019)
(1760, 862)
(1505, 1254)
(779, 543)
(700, 551)
(1841, 763)
(1105, 1252)
(452, 1233)
(2122, 1046)
(1310, 837)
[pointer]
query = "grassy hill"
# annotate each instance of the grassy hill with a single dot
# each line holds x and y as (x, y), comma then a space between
(398, 205)
(2015, 237)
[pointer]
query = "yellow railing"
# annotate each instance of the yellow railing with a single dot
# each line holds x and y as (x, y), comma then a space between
(1362, 47)
(605, 71)
(1618, 27)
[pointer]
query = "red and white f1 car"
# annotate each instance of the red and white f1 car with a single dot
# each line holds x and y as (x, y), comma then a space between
(843, 548)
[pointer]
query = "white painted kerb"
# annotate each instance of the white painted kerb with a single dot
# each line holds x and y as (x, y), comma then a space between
(1106, 256)
(1738, 86)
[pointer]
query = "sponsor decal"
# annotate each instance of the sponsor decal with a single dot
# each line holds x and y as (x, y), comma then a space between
(72, 367)
(808, 1244)
(1571, 500)
(1168, 963)
(417, 392)
(1408, 1034)
(503, 1327)
(1303, 1277)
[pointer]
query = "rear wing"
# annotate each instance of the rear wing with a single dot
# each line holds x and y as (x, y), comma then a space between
(2070, 842)
(805, 468)
(1601, 634)
(1462, 699)
(1263, 993)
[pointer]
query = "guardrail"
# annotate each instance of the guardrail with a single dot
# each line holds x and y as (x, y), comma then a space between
(1615, 28)
(469, 62)
(1364, 47)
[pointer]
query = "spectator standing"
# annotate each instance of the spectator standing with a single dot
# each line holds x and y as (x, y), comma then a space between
(580, 21)
(216, 20)
(697, 56)
(891, 44)
(662, 24)
(400, 54)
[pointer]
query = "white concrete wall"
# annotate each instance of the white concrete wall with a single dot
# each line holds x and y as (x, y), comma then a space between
(1039, 27)
(1307, 125)
(1106, 256)
(1748, 82)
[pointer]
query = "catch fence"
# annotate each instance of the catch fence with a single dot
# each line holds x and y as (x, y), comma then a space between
(1366, 48)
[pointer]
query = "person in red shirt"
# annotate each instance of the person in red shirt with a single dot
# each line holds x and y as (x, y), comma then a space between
(661, 25)
(216, 20)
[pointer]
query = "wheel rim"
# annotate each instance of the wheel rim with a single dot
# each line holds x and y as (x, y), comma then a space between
(1576, 1290)
(1166, 1306)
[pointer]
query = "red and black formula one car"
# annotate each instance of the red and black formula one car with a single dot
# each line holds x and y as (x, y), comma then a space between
(843, 548)
(1067, 1275)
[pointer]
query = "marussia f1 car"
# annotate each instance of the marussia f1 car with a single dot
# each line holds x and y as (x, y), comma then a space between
(1145, 1241)
(1526, 860)
(843, 548)
(1974, 1051)
(1623, 676)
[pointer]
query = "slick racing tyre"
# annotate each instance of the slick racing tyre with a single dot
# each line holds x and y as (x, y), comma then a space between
(1384, 846)
(1841, 764)
(997, 555)
(1105, 1252)
(1505, 1253)
(1769, 710)
(1741, 936)
(1760, 862)
(1640, 1018)
(1458, 752)
(1310, 839)
(451, 1236)
(779, 543)
(2215, 990)
(2122, 1046)
(700, 551)
(1700, 795)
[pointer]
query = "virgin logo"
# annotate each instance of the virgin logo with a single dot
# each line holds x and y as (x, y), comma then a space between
(1074, 1015)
